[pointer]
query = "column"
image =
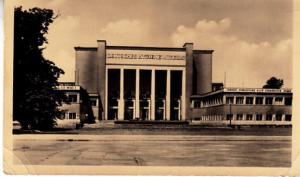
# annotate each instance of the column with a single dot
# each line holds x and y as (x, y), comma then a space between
(168, 96)
(183, 95)
(121, 100)
(137, 94)
(152, 107)
(106, 95)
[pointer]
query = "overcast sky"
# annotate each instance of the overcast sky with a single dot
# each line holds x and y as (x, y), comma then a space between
(252, 39)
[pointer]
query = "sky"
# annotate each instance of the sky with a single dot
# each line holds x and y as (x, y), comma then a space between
(251, 39)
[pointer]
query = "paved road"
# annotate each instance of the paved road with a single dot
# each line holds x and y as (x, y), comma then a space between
(153, 150)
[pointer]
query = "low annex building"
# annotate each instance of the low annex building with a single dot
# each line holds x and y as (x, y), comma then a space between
(169, 84)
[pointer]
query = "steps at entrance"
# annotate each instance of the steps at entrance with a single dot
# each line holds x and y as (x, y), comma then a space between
(154, 124)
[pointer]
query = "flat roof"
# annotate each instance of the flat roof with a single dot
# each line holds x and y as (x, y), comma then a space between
(246, 90)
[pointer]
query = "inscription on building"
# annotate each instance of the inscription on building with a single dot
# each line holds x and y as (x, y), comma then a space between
(144, 56)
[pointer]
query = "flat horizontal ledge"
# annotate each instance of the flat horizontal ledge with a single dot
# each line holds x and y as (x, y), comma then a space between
(147, 122)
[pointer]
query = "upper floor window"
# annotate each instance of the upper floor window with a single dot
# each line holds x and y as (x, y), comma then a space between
(249, 100)
(93, 101)
(269, 100)
(72, 98)
(259, 100)
(288, 101)
(229, 100)
(278, 100)
(239, 100)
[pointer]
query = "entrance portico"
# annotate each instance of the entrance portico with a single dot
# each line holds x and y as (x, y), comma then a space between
(145, 92)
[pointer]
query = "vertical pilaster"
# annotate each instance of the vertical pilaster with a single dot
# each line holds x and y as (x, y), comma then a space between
(152, 107)
(183, 95)
(121, 100)
(106, 96)
(168, 96)
(137, 94)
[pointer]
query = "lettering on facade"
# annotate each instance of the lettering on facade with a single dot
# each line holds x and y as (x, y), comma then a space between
(144, 56)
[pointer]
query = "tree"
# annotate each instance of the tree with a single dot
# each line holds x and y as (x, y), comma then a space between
(35, 101)
(273, 83)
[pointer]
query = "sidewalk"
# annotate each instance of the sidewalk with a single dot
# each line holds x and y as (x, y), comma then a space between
(78, 137)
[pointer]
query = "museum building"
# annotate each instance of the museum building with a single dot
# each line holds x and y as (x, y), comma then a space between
(165, 84)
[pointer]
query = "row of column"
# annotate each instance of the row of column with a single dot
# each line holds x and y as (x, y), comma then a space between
(121, 105)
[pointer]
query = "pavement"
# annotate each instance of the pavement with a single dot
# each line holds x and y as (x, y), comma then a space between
(152, 150)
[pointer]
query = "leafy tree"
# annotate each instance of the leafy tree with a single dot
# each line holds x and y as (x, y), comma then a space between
(35, 101)
(273, 83)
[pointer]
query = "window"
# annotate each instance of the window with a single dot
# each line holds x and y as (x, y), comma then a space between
(288, 101)
(288, 117)
(197, 104)
(72, 98)
(249, 117)
(239, 100)
(249, 100)
(72, 115)
(269, 117)
(259, 100)
(62, 115)
(229, 117)
(259, 117)
(239, 117)
(278, 117)
(93, 101)
(278, 101)
(269, 100)
(229, 100)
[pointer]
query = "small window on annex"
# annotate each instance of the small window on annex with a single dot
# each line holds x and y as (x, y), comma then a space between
(269, 117)
(239, 100)
(229, 100)
(259, 100)
(229, 117)
(249, 117)
(269, 100)
(249, 100)
(288, 101)
(72, 115)
(288, 117)
(239, 117)
(259, 117)
(278, 117)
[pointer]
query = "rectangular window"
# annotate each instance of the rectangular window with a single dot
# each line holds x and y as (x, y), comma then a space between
(72, 115)
(278, 101)
(229, 117)
(269, 117)
(278, 117)
(229, 100)
(288, 117)
(239, 117)
(288, 101)
(249, 100)
(259, 117)
(269, 100)
(239, 100)
(197, 104)
(259, 100)
(249, 117)
(93, 101)
(72, 98)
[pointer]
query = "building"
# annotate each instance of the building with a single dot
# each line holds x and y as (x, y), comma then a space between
(167, 84)
(76, 109)
(243, 106)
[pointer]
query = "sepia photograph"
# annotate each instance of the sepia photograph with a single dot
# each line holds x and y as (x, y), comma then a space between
(121, 85)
